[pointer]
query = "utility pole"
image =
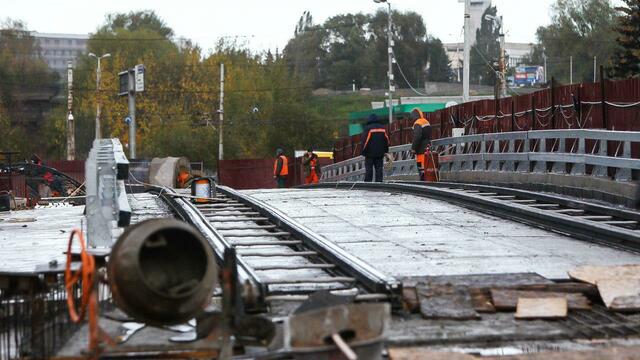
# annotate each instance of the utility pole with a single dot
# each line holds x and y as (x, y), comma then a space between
(98, 76)
(71, 142)
(221, 113)
(131, 83)
(544, 57)
(467, 51)
(570, 69)
(390, 53)
(132, 113)
(503, 65)
(595, 68)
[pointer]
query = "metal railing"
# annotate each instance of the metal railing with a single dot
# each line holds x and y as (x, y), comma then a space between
(599, 153)
(403, 164)
(106, 170)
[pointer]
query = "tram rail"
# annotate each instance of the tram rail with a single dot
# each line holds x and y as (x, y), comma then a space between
(279, 259)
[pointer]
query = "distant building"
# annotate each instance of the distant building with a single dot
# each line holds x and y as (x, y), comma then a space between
(516, 52)
(57, 49)
(478, 7)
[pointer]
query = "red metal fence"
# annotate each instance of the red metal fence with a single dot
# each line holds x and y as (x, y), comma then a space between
(258, 173)
(579, 106)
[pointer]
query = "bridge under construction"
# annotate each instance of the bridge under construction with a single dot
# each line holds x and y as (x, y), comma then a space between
(500, 266)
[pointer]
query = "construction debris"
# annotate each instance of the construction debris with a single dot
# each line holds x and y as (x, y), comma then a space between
(620, 294)
(542, 308)
(446, 302)
(506, 300)
(591, 274)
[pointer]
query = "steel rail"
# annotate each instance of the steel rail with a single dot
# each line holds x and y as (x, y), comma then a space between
(372, 279)
(587, 230)
(247, 277)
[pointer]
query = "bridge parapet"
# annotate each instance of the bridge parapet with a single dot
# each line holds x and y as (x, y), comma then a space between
(586, 163)
(402, 166)
(573, 152)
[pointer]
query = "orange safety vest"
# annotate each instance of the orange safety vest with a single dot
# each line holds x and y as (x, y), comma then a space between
(376, 131)
(285, 166)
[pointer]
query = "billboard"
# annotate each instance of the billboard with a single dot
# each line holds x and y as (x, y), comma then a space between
(528, 76)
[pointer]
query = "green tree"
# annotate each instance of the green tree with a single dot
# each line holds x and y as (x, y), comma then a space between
(626, 61)
(25, 80)
(580, 29)
(486, 51)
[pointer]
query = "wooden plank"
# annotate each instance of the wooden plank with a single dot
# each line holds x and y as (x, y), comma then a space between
(542, 308)
(446, 302)
(418, 353)
(506, 300)
(479, 280)
(410, 299)
(591, 274)
(620, 294)
(481, 299)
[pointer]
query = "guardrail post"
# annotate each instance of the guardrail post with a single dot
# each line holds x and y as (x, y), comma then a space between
(525, 166)
(541, 166)
(579, 168)
(510, 165)
(601, 171)
(560, 167)
(494, 165)
(624, 174)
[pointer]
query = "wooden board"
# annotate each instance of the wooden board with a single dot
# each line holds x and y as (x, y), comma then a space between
(542, 308)
(620, 294)
(591, 274)
(481, 299)
(419, 353)
(410, 299)
(507, 300)
(612, 353)
(446, 302)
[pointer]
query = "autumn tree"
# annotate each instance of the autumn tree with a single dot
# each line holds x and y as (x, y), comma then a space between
(626, 61)
(582, 29)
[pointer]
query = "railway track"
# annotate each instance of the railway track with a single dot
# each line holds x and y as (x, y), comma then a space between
(605, 225)
(277, 258)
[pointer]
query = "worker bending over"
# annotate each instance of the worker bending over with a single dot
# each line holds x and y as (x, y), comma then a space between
(375, 146)
(311, 168)
(421, 139)
(281, 168)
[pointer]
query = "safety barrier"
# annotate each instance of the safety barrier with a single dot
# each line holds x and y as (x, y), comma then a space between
(403, 164)
(598, 153)
(106, 170)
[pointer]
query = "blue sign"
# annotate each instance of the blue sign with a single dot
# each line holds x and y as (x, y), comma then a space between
(127, 120)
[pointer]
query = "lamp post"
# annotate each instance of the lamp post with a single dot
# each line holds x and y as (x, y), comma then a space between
(98, 74)
(497, 22)
(390, 59)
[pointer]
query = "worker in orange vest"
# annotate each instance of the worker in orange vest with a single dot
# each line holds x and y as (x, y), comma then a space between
(281, 168)
(421, 139)
(311, 168)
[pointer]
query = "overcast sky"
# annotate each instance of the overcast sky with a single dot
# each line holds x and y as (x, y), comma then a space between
(263, 24)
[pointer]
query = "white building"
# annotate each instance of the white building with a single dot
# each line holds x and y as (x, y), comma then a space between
(57, 49)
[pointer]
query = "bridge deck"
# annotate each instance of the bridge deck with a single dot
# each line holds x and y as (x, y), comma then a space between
(405, 235)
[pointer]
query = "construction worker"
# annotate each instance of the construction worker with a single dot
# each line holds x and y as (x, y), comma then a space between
(375, 145)
(281, 168)
(311, 168)
(421, 139)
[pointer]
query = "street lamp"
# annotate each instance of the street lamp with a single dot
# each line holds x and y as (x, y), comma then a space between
(98, 73)
(497, 22)
(390, 58)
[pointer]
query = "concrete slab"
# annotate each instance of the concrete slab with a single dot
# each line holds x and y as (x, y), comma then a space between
(406, 235)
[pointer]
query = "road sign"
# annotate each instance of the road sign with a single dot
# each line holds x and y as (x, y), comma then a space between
(127, 120)
(139, 76)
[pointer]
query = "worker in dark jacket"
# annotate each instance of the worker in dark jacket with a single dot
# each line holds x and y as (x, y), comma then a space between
(421, 139)
(281, 168)
(375, 144)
